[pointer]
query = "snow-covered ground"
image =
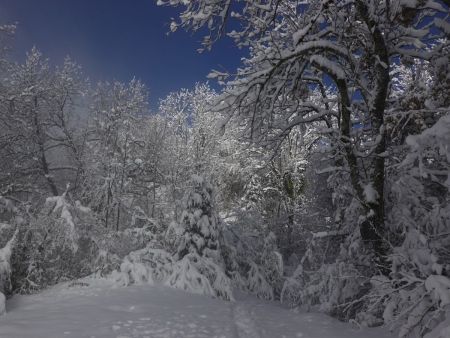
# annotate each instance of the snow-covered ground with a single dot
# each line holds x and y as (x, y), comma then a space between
(156, 311)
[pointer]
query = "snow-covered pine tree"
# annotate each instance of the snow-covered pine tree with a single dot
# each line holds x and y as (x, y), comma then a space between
(199, 267)
(199, 222)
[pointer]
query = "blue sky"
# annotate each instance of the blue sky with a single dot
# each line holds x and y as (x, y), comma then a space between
(116, 39)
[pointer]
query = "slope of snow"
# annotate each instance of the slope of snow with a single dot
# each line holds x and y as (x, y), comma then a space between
(101, 310)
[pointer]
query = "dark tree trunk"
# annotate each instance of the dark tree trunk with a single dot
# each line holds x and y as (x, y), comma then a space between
(373, 228)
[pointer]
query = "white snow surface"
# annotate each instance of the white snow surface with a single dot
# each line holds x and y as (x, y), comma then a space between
(101, 310)
(2, 303)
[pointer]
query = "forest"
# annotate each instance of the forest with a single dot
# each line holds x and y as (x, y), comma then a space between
(315, 175)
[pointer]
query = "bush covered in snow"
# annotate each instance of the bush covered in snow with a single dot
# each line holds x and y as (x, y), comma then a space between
(54, 246)
(144, 266)
(252, 260)
(332, 276)
(65, 241)
(336, 275)
(200, 275)
(196, 264)
(5, 269)
(114, 246)
(417, 296)
(12, 220)
(8, 241)
(333, 288)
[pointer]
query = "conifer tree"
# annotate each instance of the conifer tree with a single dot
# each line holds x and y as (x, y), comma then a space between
(199, 222)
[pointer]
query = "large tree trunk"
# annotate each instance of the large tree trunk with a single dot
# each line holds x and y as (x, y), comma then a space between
(373, 227)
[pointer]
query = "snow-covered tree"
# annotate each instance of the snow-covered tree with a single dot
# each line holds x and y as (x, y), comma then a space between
(56, 244)
(191, 138)
(295, 46)
(416, 296)
(113, 147)
(199, 265)
(366, 74)
(199, 222)
(41, 149)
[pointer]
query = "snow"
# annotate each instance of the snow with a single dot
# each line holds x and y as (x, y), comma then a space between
(370, 194)
(330, 66)
(145, 266)
(442, 330)
(82, 208)
(4, 226)
(257, 284)
(5, 268)
(440, 287)
(2, 303)
(200, 275)
(323, 234)
(61, 205)
(100, 310)
(437, 134)
(5, 254)
(300, 34)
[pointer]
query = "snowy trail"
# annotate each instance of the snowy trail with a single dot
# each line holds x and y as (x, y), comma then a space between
(155, 311)
(245, 324)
